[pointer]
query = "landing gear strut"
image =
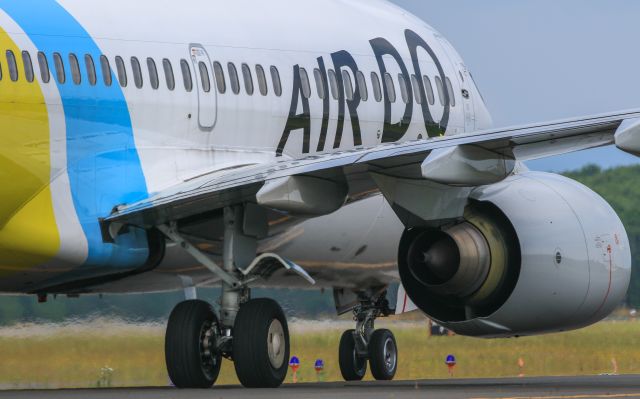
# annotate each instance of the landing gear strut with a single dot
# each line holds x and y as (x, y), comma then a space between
(366, 343)
(251, 332)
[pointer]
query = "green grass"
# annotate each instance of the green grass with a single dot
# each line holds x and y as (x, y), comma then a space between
(73, 356)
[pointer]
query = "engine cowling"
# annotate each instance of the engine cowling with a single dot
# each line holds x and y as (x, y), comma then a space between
(536, 253)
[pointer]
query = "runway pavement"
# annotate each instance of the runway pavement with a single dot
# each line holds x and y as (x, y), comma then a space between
(520, 388)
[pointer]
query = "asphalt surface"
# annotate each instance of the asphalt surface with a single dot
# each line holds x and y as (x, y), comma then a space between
(627, 386)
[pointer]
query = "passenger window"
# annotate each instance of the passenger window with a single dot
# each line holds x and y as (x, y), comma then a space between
(416, 89)
(91, 69)
(122, 71)
(45, 75)
(319, 82)
(233, 78)
(13, 66)
(28, 66)
(186, 75)
(277, 85)
(306, 85)
(377, 89)
(452, 96)
(333, 84)
(168, 74)
(59, 65)
(75, 69)
(362, 86)
(404, 88)
(204, 77)
(106, 70)
(429, 89)
(220, 82)
(391, 89)
(348, 85)
(440, 89)
(248, 79)
(153, 74)
(137, 72)
(262, 80)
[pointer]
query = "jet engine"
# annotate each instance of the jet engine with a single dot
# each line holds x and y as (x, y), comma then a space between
(535, 253)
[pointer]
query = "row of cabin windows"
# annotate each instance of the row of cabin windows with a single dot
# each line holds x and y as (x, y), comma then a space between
(221, 82)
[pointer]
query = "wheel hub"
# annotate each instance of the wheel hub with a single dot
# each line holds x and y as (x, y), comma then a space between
(276, 344)
(390, 354)
(208, 337)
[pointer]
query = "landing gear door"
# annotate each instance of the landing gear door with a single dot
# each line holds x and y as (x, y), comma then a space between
(204, 85)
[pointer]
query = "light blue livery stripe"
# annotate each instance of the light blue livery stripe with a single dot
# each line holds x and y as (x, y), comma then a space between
(103, 163)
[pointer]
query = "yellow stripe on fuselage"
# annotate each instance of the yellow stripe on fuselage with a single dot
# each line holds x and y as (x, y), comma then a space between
(28, 231)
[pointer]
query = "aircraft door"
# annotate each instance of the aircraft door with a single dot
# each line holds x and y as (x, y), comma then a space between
(467, 100)
(205, 86)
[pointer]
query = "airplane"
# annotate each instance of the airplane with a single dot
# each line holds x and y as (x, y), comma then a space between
(342, 144)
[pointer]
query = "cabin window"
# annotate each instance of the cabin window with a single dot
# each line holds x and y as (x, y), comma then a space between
(377, 89)
(204, 77)
(59, 65)
(219, 74)
(186, 75)
(233, 78)
(277, 85)
(440, 89)
(137, 72)
(13, 66)
(404, 88)
(362, 86)
(106, 70)
(429, 89)
(45, 75)
(348, 85)
(452, 96)
(91, 69)
(168, 74)
(306, 85)
(122, 71)
(416, 89)
(28, 66)
(262, 80)
(154, 80)
(317, 74)
(75, 69)
(333, 84)
(391, 88)
(248, 79)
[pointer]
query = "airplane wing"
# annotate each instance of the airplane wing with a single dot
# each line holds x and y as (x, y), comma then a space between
(472, 159)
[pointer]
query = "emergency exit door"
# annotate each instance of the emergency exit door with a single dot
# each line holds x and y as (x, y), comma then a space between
(205, 87)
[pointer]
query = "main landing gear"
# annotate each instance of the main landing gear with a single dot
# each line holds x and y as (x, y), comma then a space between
(253, 333)
(365, 343)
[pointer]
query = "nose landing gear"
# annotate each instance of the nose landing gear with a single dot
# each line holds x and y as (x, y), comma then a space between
(365, 343)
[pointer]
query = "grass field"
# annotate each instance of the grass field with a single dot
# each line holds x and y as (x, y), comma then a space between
(51, 356)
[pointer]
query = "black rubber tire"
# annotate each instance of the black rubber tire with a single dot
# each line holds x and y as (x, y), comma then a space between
(182, 346)
(250, 348)
(352, 367)
(383, 363)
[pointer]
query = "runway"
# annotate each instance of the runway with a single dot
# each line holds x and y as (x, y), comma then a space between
(599, 387)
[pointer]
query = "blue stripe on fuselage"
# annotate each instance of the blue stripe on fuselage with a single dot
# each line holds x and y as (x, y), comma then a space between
(103, 163)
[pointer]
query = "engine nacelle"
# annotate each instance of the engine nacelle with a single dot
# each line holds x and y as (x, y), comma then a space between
(536, 253)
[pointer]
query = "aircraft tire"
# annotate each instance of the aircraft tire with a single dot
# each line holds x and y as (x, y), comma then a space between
(261, 344)
(191, 329)
(352, 367)
(383, 355)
